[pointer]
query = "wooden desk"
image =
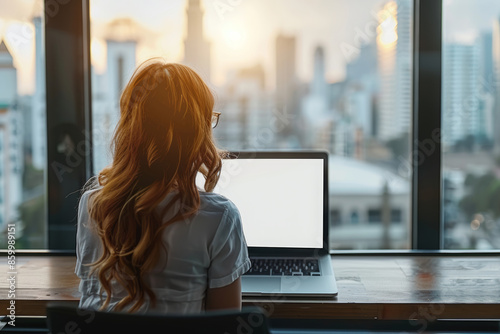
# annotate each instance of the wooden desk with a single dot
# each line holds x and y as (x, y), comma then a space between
(370, 287)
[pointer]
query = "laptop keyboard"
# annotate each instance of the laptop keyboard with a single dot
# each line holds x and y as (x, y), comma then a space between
(284, 267)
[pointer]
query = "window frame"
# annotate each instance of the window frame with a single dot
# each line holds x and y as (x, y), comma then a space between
(67, 54)
(427, 74)
(73, 21)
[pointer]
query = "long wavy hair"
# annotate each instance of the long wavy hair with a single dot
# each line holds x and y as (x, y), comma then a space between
(162, 140)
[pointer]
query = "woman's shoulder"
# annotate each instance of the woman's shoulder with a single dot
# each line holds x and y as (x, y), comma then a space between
(84, 198)
(86, 193)
(215, 202)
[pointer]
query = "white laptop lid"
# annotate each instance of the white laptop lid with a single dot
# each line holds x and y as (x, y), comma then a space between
(282, 198)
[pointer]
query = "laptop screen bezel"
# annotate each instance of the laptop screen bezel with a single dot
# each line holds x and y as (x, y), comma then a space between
(285, 251)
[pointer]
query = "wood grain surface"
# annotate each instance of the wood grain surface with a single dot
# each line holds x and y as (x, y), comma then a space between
(370, 287)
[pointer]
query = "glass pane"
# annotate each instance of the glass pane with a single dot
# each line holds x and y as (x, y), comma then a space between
(22, 125)
(287, 74)
(471, 124)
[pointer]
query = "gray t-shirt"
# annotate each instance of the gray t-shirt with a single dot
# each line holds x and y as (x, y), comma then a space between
(207, 251)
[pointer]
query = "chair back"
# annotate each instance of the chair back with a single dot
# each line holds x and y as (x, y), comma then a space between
(63, 318)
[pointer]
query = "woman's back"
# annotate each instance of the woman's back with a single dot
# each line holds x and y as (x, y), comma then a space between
(212, 258)
(149, 237)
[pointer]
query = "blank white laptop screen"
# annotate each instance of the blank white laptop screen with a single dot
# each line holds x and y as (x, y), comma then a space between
(280, 200)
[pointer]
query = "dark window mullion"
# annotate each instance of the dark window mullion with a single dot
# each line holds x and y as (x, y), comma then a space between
(67, 103)
(426, 150)
(87, 70)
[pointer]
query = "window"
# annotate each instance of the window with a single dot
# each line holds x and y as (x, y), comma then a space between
(335, 217)
(374, 216)
(282, 83)
(354, 217)
(396, 216)
(23, 153)
(348, 92)
(470, 120)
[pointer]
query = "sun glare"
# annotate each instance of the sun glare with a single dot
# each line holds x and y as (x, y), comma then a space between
(98, 54)
(387, 29)
(234, 38)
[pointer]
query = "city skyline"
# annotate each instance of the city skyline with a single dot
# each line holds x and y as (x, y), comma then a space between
(363, 120)
(17, 21)
(227, 53)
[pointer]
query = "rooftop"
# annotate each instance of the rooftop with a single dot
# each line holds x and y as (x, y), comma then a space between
(348, 176)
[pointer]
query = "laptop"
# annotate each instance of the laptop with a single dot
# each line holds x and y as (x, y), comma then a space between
(283, 201)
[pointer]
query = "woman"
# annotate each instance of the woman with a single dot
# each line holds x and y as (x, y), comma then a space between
(148, 239)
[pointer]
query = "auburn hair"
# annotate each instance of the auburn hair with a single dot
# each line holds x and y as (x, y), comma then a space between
(162, 140)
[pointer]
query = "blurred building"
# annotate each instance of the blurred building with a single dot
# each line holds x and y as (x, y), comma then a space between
(197, 52)
(121, 62)
(353, 105)
(318, 87)
(487, 86)
(395, 69)
(339, 138)
(8, 74)
(486, 58)
(38, 131)
(359, 194)
(107, 88)
(363, 87)
(246, 120)
(11, 141)
(496, 78)
(287, 99)
(462, 112)
(316, 118)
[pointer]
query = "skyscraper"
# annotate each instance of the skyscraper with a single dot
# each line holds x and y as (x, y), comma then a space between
(486, 55)
(8, 74)
(286, 80)
(246, 118)
(487, 83)
(394, 54)
(38, 112)
(11, 166)
(121, 61)
(316, 119)
(461, 108)
(319, 83)
(362, 76)
(120, 65)
(496, 70)
(196, 47)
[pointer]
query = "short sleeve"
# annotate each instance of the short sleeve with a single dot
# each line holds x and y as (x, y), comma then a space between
(82, 205)
(228, 251)
(87, 246)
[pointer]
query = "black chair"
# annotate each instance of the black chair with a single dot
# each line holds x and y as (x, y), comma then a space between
(24, 324)
(63, 318)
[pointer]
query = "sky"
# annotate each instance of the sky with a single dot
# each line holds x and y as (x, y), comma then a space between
(464, 20)
(242, 32)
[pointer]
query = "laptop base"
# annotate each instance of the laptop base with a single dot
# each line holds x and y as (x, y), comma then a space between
(323, 286)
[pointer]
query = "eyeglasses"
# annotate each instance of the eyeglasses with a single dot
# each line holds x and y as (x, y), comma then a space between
(215, 118)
